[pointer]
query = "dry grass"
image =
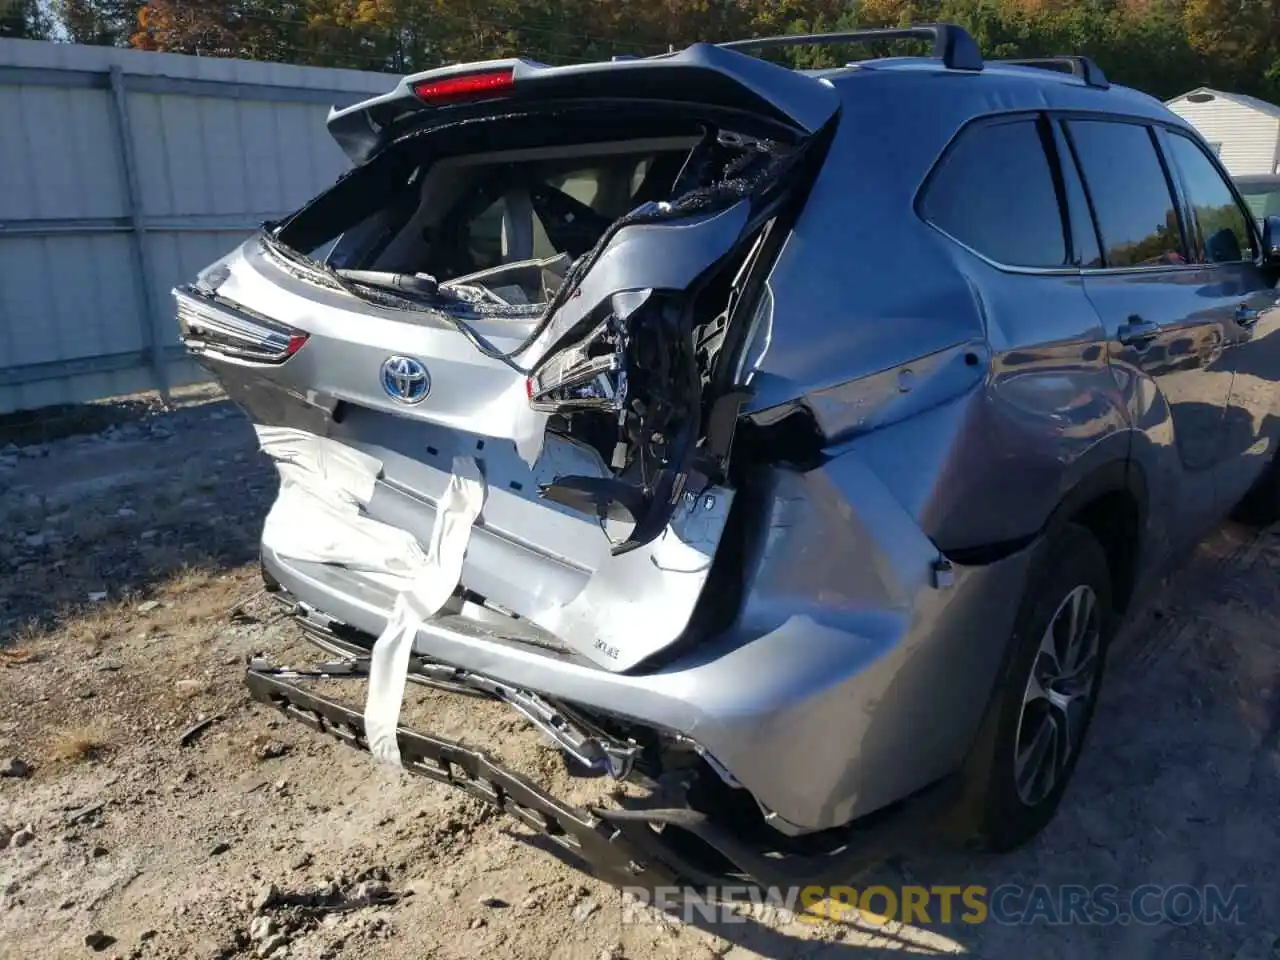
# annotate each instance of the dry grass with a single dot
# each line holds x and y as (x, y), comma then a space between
(192, 596)
(95, 626)
(135, 661)
(28, 635)
(18, 655)
(80, 744)
(186, 579)
(21, 646)
(199, 594)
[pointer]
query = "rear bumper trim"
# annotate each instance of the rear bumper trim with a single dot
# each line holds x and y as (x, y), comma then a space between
(601, 846)
(619, 846)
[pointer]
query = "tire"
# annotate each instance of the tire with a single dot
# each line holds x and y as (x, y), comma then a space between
(1004, 811)
(269, 583)
(1261, 505)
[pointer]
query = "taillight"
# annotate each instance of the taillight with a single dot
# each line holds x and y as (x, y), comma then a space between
(467, 86)
(210, 326)
(588, 375)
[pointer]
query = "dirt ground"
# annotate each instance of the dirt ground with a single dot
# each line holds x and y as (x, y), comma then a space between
(129, 597)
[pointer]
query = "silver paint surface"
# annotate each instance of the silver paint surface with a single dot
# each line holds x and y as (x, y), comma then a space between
(962, 406)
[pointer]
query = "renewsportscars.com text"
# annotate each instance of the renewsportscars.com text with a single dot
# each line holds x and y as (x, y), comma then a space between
(1010, 904)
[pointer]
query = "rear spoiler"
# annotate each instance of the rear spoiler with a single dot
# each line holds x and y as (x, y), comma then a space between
(703, 74)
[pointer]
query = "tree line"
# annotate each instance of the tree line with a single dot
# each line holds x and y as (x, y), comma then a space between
(1164, 47)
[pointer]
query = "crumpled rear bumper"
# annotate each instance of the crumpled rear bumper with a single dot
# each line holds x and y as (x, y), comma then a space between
(604, 848)
(854, 676)
(619, 846)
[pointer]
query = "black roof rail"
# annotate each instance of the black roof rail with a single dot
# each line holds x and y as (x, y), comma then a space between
(1077, 66)
(951, 44)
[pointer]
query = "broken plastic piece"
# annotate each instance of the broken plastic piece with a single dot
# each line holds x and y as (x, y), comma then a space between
(601, 497)
(722, 423)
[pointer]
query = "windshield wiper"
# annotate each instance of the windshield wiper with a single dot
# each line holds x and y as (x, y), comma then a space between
(383, 296)
(350, 281)
(420, 284)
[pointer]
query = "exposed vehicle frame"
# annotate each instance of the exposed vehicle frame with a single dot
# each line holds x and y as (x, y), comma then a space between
(759, 483)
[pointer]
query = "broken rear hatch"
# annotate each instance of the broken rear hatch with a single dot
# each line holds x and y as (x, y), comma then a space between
(549, 270)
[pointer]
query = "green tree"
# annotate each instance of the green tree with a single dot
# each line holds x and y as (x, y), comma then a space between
(1240, 40)
(1164, 47)
(249, 29)
(100, 22)
(24, 20)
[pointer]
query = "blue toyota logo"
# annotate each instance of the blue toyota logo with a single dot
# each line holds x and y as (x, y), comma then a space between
(405, 379)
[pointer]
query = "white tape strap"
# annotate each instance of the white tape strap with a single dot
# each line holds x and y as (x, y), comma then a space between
(317, 517)
(326, 464)
(430, 590)
(387, 673)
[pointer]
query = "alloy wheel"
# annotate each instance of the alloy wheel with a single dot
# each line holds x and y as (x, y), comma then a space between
(1056, 700)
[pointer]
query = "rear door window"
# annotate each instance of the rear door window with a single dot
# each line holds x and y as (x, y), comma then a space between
(1084, 233)
(1135, 209)
(1222, 225)
(994, 192)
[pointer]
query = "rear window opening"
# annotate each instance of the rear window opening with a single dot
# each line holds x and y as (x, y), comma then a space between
(509, 226)
(498, 230)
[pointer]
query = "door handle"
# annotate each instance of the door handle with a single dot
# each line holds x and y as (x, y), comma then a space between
(1246, 315)
(1137, 332)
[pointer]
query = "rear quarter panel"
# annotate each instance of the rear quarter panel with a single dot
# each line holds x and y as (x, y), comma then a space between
(864, 289)
(978, 400)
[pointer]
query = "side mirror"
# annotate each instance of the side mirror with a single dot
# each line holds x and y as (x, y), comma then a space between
(1271, 240)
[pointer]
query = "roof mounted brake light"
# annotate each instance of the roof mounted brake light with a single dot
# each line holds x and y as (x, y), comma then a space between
(468, 86)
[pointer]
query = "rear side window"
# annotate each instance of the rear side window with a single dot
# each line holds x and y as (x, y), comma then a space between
(1085, 236)
(1130, 193)
(1225, 235)
(994, 192)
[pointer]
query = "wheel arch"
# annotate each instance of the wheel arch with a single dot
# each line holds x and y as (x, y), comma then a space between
(1111, 502)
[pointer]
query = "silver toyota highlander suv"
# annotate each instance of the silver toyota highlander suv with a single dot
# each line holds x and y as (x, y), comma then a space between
(789, 444)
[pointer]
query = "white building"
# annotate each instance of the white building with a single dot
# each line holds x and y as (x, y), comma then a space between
(1245, 131)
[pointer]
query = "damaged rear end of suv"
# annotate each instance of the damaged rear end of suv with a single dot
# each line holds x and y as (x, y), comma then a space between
(548, 272)
(512, 371)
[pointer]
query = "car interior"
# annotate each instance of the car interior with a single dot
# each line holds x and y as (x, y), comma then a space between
(536, 210)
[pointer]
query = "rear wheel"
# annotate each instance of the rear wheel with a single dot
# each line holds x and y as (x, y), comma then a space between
(269, 583)
(1043, 705)
(1261, 505)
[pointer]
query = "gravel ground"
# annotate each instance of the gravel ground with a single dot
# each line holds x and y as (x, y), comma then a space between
(129, 597)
